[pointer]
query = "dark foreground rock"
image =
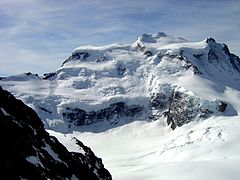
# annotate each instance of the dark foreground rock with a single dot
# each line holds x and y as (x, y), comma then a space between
(28, 152)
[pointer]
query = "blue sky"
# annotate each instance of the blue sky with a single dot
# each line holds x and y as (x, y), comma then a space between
(38, 35)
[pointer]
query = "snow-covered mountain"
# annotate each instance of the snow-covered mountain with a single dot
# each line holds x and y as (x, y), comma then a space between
(28, 152)
(158, 75)
(129, 98)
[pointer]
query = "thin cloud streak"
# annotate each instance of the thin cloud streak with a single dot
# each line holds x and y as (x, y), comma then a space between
(50, 30)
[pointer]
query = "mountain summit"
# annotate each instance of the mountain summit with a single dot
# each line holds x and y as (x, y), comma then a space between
(159, 37)
(157, 76)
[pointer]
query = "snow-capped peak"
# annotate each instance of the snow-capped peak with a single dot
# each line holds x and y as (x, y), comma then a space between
(159, 39)
(210, 40)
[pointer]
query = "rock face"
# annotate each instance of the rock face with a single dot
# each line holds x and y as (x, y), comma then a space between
(234, 60)
(180, 107)
(114, 113)
(28, 152)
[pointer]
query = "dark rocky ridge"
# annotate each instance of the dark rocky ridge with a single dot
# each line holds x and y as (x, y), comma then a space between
(234, 60)
(214, 54)
(28, 152)
(49, 75)
(77, 56)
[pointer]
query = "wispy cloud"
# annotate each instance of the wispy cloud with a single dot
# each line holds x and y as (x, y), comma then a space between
(38, 35)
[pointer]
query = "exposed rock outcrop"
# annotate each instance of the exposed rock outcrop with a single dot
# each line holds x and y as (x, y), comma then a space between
(114, 113)
(180, 107)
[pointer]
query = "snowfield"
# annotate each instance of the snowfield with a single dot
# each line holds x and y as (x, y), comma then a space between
(120, 100)
(150, 150)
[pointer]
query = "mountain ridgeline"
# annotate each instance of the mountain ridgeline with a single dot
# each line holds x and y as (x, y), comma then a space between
(28, 152)
(158, 75)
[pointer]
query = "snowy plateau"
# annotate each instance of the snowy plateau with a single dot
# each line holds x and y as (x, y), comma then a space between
(159, 108)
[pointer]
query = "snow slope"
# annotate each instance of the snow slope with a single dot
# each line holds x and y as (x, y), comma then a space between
(142, 150)
(119, 100)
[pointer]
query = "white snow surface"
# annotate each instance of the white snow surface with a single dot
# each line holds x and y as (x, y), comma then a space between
(4, 112)
(35, 160)
(143, 149)
(52, 153)
(151, 151)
